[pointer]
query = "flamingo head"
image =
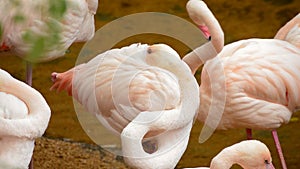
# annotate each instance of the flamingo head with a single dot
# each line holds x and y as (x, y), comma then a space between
(205, 31)
(162, 55)
(251, 154)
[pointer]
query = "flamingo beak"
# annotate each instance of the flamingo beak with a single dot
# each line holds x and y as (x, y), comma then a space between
(205, 31)
(3, 47)
(270, 166)
(53, 76)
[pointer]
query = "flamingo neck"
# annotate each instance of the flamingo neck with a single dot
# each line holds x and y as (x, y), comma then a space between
(224, 160)
(203, 17)
(209, 25)
(199, 56)
(290, 31)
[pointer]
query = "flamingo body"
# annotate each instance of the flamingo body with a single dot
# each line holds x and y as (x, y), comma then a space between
(142, 92)
(261, 84)
(24, 116)
(7, 108)
(14, 152)
(37, 21)
(250, 83)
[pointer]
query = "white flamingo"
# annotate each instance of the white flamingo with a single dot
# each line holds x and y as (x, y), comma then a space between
(32, 24)
(249, 154)
(260, 77)
(25, 25)
(24, 116)
(143, 93)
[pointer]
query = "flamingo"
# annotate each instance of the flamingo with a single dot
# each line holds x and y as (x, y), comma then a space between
(145, 93)
(260, 78)
(24, 116)
(42, 30)
(250, 154)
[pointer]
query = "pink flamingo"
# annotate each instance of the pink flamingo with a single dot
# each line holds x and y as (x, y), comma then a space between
(260, 78)
(26, 25)
(250, 154)
(125, 119)
(24, 116)
(147, 94)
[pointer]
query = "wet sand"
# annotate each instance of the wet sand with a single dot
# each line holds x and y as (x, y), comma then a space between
(239, 20)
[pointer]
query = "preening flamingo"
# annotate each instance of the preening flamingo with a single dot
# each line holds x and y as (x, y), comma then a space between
(260, 77)
(43, 30)
(249, 154)
(24, 116)
(143, 93)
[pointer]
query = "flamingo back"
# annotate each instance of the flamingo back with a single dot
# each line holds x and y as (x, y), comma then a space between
(123, 85)
(25, 24)
(262, 89)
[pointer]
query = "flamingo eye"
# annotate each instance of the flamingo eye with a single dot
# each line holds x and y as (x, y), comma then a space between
(267, 162)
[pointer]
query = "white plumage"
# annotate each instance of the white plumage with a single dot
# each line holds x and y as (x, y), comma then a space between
(37, 20)
(250, 154)
(24, 116)
(141, 92)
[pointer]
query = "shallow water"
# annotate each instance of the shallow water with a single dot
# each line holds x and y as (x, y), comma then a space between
(238, 19)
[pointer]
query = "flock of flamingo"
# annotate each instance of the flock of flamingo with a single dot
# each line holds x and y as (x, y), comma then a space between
(149, 96)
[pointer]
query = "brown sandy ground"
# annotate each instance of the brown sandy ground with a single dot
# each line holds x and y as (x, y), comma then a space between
(66, 154)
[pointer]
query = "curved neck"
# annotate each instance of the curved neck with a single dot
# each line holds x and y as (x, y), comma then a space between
(39, 111)
(223, 160)
(93, 5)
(199, 56)
(202, 16)
(290, 31)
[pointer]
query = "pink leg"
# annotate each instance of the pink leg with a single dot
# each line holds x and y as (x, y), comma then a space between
(249, 134)
(278, 147)
(29, 73)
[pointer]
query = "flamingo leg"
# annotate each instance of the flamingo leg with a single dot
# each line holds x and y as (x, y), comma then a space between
(29, 73)
(30, 164)
(249, 134)
(29, 82)
(279, 150)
